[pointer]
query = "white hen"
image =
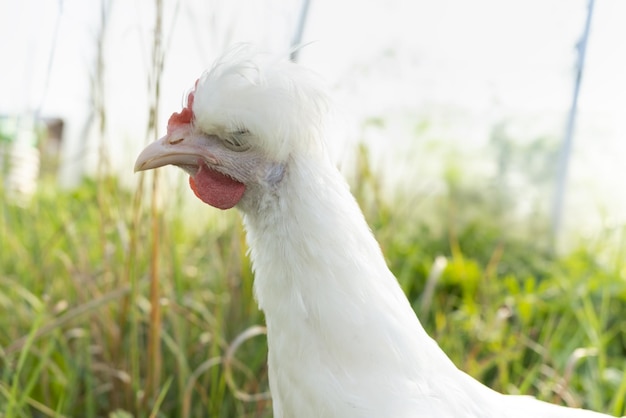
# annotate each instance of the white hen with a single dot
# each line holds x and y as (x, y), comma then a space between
(343, 339)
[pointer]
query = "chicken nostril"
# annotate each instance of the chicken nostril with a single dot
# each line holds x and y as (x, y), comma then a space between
(176, 141)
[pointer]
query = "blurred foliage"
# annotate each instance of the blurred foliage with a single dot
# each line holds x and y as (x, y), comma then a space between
(74, 311)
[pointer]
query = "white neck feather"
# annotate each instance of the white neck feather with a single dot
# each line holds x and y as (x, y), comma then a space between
(338, 323)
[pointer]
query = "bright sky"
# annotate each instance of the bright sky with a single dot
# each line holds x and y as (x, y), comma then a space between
(487, 59)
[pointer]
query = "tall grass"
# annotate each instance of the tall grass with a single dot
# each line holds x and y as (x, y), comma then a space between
(76, 312)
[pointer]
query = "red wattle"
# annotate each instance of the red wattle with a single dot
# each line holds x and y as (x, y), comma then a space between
(215, 188)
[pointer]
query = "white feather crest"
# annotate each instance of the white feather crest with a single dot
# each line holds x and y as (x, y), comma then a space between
(281, 104)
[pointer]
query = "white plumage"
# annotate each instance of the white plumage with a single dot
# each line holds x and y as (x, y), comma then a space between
(343, 339)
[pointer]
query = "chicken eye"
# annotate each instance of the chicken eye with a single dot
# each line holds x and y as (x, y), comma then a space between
(237, 140)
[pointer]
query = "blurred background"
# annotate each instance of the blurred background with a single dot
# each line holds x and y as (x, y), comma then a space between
(484, 140)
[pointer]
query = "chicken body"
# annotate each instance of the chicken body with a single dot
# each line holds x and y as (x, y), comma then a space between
(343, 339)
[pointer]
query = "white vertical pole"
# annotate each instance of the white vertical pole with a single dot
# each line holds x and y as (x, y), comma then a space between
(566, 147)
(297, 39)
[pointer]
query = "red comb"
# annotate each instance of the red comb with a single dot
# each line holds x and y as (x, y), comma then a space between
(185, 116)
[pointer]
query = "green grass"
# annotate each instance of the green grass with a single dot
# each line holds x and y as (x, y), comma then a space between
(76, 325)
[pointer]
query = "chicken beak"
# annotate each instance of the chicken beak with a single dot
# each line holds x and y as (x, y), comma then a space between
(176, 149)
(154, 155)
